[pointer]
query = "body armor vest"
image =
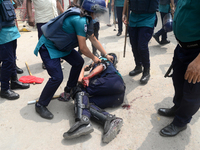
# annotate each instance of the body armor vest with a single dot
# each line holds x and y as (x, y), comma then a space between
(64, 41)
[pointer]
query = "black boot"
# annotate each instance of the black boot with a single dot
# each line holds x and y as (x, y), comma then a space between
(136, 71)
(19, 70)
(16, 84)
(145, 76)
(81, 127)
(112, 124)
(9, 94)
(156, 37)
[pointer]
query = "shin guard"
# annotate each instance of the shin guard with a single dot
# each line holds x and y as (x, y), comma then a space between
(112, 124)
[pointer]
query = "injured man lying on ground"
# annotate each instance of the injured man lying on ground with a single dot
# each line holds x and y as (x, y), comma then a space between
(102, 88)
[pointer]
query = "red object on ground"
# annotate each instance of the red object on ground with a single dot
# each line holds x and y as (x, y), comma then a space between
(31, 79)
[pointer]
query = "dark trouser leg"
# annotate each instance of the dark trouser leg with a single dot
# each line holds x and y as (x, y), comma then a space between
(119, 18)
(96, 34)
(39, 25)
(54, 70)
(187, 96)
(144, 36)
(76, 61)
(162, 31)
(7, 57)
(133, 36)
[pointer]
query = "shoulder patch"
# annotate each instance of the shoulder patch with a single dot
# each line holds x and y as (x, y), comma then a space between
(85, 28)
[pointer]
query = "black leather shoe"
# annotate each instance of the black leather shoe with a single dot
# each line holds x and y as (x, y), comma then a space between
(9, 94)
(164, 42)
(119, 33)
(156, 37)
(145, 76)
(19, 70)
(18, 85)
(171, 130)
(136, 71)
(168, 112)
(43, 112)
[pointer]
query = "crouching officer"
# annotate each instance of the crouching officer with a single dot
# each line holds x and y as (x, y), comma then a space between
(8, 44)
(104, 87)
(60, 36)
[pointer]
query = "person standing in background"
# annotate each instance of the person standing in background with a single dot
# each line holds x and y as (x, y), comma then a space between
(8, 44)
(164, 8)
(45, 10)
(141, 26)
(119, 8)
(186, 68)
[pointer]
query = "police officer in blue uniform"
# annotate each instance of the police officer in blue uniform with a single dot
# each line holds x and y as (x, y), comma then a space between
(141, 24)
(104, 87)
(60, 36)
(8, 44)
(186, 68)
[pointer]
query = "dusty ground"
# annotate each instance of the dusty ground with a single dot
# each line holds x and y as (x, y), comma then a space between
(21, 128)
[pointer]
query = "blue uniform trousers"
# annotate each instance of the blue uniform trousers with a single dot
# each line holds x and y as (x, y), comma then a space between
(162, 31)
(39, 25)
(139, 39)
(106, 91)
(119, 11)
(96, 34)
(7, 57)
(187, 95)
(54, 69)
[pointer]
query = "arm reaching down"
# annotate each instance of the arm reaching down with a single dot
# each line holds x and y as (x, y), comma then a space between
(93, 73)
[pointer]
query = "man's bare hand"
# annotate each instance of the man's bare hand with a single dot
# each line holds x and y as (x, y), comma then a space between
(110, 58)
(96, 60)
(31, 21)
(193, 72)
(124, 20)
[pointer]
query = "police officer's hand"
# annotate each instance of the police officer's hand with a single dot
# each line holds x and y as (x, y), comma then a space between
(124, 20)
(110, 58)
(85, 81)
(96, 60)
(193, 71)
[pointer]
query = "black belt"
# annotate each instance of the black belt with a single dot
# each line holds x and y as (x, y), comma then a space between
(188, 45)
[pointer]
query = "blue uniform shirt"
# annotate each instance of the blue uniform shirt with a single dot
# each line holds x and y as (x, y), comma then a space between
(119, 3)
(186, 23)
(142, 20)
(72, 24)
(164, 8)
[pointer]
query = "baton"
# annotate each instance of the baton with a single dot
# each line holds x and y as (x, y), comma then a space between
(127, 14)
(35, 101)
(29, 71)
